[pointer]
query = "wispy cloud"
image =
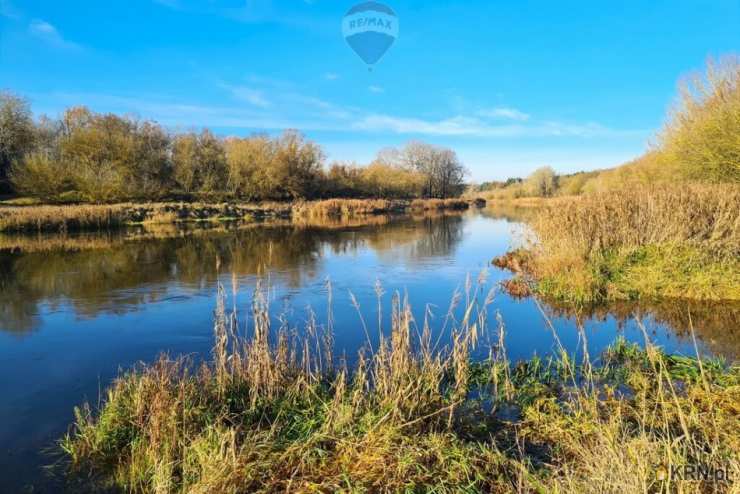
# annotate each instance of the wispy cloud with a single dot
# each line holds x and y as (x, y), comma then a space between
(465, 126)
(504, 113)
(50, 35)
(376, 89)
(331, 76)
(249, 95)
(276, 105)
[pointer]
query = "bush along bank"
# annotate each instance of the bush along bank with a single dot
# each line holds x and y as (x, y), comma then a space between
(661, 241)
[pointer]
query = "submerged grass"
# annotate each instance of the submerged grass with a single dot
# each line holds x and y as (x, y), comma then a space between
(274, 412)
(676, 241)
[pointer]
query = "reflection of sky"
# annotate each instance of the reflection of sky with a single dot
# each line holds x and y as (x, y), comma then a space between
(79, 344)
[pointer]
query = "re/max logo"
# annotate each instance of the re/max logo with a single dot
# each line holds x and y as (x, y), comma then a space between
(364, 22)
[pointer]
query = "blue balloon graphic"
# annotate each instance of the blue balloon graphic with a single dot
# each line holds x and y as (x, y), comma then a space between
(370, 29)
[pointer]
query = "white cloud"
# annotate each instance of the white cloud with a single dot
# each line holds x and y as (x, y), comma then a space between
(504, 113)
(490, 150)
(249, 95)
(331, 76)
(275, 105)
(465, 126)
(50, 35)
(376, 89)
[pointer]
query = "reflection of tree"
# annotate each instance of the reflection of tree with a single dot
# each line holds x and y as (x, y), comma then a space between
(112, 274)
(442, 235)
(510, 212)
(716, 324)
(17, 307)
(430, 236)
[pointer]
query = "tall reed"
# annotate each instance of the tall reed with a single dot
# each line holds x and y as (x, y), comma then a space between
(680, 240)
(272, 412)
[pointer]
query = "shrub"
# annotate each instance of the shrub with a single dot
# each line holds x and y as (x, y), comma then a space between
(17, 133)
(40, 175)
(702, 137)
(685, 238)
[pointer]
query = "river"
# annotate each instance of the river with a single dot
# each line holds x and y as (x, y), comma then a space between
(75, 310)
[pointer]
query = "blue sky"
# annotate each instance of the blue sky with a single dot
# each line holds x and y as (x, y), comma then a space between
(511, 86)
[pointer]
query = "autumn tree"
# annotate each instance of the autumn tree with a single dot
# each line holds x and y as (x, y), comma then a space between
(250, 161)
(199, 163)
(702, 137)
(442, 170)
(541, 183)
(17, 134)
(297, 166)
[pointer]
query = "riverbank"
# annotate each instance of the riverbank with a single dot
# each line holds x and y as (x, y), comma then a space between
(274, 412)
(48, 218)
(677, 241)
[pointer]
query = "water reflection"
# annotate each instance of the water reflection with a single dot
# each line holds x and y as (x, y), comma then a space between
(76, 309)
(115, 273)
(715, 324)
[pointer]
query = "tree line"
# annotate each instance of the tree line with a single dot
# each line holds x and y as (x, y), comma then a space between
(85, 156)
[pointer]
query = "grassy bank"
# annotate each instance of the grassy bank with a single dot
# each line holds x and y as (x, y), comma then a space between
(45, 218)
(273, 412)
(679, 241)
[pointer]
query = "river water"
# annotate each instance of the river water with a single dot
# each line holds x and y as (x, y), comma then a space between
(75, 310)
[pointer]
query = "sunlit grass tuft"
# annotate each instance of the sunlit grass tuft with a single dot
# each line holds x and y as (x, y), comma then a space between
(273, 411)
(678, 241)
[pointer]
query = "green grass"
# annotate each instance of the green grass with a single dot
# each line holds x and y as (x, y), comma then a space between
(651, 272)
(679, 241)
(19, 201)
(273, 413)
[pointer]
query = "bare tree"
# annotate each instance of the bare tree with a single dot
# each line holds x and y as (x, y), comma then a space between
(17, 133)
(442, 170)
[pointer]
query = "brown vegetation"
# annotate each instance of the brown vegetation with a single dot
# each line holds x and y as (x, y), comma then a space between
(700, 142)
(104, 158)
(674, 241)
(274, 412)
(101, 217)
(704, 216)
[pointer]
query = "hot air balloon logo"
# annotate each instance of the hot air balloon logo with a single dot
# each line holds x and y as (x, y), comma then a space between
(370, 29)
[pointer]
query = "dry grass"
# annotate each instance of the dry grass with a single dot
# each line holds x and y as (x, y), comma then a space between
(438, 204)
(705, 216)
(62, 218)
(679, 240)
(273, 412)
(347, 208)
(102, 217)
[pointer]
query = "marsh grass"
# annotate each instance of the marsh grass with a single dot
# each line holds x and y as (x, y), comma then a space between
(679, 241)
(274, 411)
(350, 208)
(347, 207)
(71, 218)
(438, 204)
(61, 218)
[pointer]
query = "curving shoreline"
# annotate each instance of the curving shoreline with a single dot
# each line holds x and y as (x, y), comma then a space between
(53, 218)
